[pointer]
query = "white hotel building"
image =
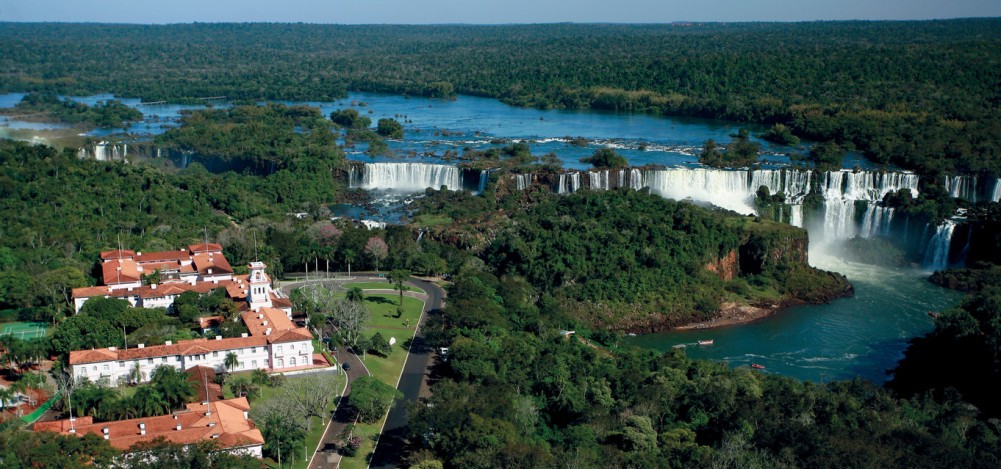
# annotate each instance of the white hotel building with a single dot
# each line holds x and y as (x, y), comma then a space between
(274, 343)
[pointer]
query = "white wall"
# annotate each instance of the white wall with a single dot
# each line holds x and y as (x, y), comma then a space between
(282, 354)
(248, 357)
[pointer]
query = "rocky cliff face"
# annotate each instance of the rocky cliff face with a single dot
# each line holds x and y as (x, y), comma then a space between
(726, 267)
(765, 247)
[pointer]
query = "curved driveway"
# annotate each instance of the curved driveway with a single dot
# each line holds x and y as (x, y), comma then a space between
(389, 450)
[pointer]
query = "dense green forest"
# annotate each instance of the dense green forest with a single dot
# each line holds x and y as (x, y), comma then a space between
(515, 392)
(261, 138)
(631, 260)
(922, 95)
(49, 107)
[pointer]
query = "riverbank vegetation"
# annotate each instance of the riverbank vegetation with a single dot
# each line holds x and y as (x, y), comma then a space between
(921, 95)
(631, 260)
(563, 399)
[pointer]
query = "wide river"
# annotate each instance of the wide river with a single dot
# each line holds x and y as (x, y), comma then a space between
(864, 335)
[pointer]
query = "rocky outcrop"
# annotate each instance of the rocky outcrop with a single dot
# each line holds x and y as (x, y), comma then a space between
(726, 267)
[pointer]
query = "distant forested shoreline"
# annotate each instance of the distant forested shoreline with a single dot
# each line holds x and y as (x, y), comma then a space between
(921, 95)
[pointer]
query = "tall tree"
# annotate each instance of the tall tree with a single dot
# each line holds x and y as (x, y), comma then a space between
(231, 361)
(399, 277)
(172, 385)
(371, 398)
(376, 249)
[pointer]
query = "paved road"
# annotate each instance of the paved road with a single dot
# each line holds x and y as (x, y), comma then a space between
(392, 441)
(389, 451)
(342, 416)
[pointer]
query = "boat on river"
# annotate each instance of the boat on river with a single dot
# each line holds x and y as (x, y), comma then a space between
(933, 314)
(706, 342)
(757, 366)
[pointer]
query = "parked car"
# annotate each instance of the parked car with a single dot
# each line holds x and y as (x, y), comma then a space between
(346, 366)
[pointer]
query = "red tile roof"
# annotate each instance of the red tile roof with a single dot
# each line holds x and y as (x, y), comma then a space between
(293, 335)
(209, 321)
(117, 254)
(204, 377)
(205, 247)
(120, 271)
(227, 423)
(162, 290)
(215, 262)
(184, 347)
(161, 256)
(274, 319)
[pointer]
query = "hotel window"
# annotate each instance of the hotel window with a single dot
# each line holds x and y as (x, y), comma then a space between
(177, 358)
(121, 364)
(163, 360)
(253, 363)
(149, 361)
(253, 349)
(83, 370)
(105, 367)
(292, 346)
(279, 349)
(215, 354)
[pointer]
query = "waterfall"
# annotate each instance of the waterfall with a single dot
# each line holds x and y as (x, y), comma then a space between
(636, 179)
(864, 185)
(523, 181)
(727, 189)
(841, 189)
(794, 184)
(410, 177)
(105, 151)
(599, 181)
(796, 217)
(839, 219)
(937, 252)
(962, 187)
(876, 221)
(568, 183)
(996, 196)
(484, 177)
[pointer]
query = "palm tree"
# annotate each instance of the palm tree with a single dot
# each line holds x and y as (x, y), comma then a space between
(136, 374)
(398, 277)
(260, 378)
(355, 294)
(232, 361)
(147, 401)
(125, 409)
(172, 385)
(349, 256)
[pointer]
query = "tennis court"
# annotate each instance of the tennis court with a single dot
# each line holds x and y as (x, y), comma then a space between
(23, 330)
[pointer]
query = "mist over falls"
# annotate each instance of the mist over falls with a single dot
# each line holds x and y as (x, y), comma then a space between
(850, 202)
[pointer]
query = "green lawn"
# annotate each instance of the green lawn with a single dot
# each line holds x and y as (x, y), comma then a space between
(383, 319)
(379, 286)
(382, 308)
